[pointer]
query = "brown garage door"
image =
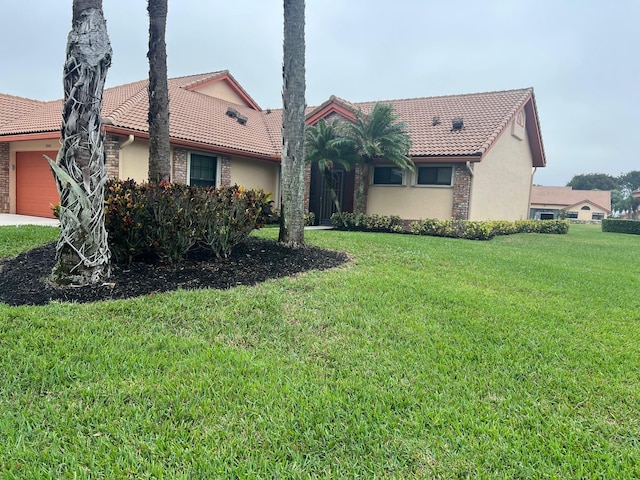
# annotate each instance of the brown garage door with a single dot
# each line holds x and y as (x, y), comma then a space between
(35, 187)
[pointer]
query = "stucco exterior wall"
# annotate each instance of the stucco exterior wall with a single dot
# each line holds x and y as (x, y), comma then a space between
(134, 161)
(255, 174)
(223, 91)
(502, 180)
(410, 202)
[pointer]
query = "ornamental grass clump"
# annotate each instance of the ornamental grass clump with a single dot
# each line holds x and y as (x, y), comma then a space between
(165, 221)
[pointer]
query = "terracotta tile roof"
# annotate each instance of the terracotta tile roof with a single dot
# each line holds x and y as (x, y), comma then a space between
(12, 107)
(201, 119)
(565, 197)
(485, 116)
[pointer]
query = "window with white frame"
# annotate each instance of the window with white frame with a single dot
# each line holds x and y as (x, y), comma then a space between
(434, 175)
(203, 170)
(387, 175)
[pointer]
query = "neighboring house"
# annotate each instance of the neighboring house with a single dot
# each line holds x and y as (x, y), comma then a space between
(556, 202)
(475, 154)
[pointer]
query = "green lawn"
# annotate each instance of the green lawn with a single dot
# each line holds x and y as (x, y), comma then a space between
(422, 358)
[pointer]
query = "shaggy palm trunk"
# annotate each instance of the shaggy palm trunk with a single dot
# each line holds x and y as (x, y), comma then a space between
(293, 122)
(82, 252)
(159, 162)
(363, 190)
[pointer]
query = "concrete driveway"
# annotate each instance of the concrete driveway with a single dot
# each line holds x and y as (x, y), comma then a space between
(12, 219)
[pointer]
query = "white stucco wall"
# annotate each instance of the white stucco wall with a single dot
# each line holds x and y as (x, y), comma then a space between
(501, 184)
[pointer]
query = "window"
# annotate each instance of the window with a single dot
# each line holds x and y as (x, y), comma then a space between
(388, 176)
(572, 214)
(586, 207)
(203, 170)
(597, 216)
(434, 176)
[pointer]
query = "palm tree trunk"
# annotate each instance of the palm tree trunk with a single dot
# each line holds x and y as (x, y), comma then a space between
(293, 123)
(82, 252)
(159, 148)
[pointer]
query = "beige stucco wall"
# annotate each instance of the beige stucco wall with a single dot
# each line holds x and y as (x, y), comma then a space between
(410, 202)
(30, 146)
(223, 91)
(501, 182)
(134, 160)
(586, 214)
(255, 174)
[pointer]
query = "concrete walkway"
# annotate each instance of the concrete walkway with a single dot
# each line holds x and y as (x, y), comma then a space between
(12, 219)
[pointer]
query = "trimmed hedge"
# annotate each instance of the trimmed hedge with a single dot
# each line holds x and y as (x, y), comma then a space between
(486, 230)
(617, 225)
(167, 220)
(370, 223)
(448, 228)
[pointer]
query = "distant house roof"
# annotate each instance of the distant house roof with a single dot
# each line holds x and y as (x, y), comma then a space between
(202, 121)
(566, 197)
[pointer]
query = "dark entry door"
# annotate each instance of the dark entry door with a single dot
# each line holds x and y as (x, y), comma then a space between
(326, 188)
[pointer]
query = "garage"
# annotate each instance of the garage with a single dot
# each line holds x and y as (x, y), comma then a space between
(35, 187)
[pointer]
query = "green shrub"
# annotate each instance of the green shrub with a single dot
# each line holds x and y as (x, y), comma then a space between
(466, 229)
(309, 219)
(485, 230)
(167, 220)
(373, 223)
(617, 225)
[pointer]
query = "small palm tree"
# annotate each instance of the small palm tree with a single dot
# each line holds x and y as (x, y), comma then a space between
(327, 145)
(378, 135)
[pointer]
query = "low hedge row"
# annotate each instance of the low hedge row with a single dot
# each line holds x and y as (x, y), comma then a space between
(486, 230)
(167, 220)
(447, 228)
(370, 223)
(617, 225)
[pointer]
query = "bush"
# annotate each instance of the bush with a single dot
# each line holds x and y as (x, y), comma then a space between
(167, 220)
(373, 223)
(486, 230)
(274, 218)
(447, 228)
(617, 225)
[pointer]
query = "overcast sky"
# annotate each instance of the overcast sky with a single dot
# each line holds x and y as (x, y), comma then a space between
(580, 56)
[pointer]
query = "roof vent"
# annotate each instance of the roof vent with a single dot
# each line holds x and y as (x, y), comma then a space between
(436, 121)
(457, 123)
(233, 113)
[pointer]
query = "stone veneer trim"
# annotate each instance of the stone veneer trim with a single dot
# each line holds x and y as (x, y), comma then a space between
(4, 177)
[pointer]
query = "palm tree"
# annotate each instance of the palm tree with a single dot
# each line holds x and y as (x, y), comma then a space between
(378, 135)
(82, 252)
(327, 145)
(159, 162)
(293, 123)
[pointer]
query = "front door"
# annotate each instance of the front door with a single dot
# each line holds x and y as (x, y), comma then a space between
(325, 190)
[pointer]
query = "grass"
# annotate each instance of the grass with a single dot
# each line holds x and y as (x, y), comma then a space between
(423, 358)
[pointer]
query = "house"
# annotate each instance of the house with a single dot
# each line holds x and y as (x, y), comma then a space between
(475, 154)
(555, 202)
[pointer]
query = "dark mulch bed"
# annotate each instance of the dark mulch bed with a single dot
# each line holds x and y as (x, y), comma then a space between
(23, 278)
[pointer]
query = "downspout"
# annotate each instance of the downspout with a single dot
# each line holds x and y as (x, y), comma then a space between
(127, 142)
(468, 164)
(535, 169)
(470, 170)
